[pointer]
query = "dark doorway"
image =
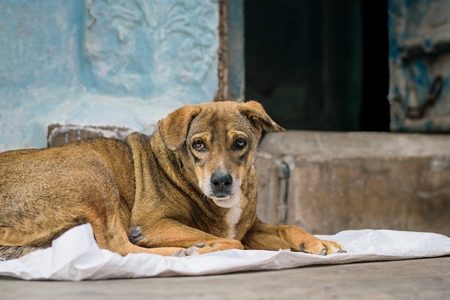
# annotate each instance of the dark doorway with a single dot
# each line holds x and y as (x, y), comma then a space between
(374, 112)
(319, 64)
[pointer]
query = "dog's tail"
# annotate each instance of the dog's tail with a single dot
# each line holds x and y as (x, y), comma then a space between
(11, 252)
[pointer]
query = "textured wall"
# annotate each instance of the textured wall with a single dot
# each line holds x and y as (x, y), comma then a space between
(338, 181)
(102, 63)
(419, 54)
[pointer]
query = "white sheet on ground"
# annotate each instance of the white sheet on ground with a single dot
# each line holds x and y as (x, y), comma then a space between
(76, 256)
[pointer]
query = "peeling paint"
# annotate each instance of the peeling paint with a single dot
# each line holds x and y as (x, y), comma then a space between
(419, 39)
(102, 63)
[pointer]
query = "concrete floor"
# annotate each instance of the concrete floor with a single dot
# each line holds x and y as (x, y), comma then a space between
(412, 279)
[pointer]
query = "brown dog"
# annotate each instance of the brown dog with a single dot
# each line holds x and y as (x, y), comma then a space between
(189, 189)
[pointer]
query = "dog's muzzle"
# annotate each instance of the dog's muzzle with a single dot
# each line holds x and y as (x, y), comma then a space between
(223, 188)
(221, 184)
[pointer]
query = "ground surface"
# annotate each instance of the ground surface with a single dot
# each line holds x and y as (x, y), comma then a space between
(412, 279)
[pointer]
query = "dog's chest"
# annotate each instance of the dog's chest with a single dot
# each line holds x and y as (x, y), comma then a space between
(232, 218)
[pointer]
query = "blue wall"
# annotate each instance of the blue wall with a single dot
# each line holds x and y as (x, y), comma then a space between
(99, 63)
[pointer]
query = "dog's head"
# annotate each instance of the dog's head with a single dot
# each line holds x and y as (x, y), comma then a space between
(220, 140)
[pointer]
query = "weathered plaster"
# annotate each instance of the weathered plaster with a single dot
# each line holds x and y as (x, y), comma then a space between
(419, 47)
(102, 63)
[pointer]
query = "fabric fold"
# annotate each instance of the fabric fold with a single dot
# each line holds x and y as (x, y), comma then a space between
(75, 256)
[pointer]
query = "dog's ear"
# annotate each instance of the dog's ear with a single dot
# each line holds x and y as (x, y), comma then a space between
(258, 117)
(174, 128)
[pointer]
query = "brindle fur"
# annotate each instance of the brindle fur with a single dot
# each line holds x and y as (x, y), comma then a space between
(151, 191)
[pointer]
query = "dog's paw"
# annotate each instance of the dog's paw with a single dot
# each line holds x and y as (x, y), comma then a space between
(211, 246)
(332, 247)
(194, 250)
(135, 234)
(191, 251)
(180, 253)
(320, 247)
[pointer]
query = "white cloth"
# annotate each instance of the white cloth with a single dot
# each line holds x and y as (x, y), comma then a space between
(76, 256)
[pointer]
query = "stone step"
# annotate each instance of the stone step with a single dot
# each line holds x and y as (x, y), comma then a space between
(326, 182)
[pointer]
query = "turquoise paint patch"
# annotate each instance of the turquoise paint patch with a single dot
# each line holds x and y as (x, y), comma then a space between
(104, 63)
(141, 48)
(428, 43)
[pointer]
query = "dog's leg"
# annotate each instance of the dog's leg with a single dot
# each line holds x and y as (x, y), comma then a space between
(170, 233)
(37, 231)
(275, 237)
(11, 252)
(111, 235)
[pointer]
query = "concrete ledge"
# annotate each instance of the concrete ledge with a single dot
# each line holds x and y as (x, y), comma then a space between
(341, 181)
(354, 144)
(59, 135)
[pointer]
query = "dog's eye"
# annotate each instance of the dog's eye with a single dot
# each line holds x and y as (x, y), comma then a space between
(239, 144)
(199, 146)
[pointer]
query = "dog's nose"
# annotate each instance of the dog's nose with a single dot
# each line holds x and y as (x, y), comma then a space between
(221, 183)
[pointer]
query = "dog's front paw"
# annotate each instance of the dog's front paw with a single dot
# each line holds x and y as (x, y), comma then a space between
(195, 250)
(320, 247)
(191, 251)
(211, 246)
(180, 253)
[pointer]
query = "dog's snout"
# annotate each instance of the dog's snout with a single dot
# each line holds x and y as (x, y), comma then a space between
(220, 179)
(221, 183)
